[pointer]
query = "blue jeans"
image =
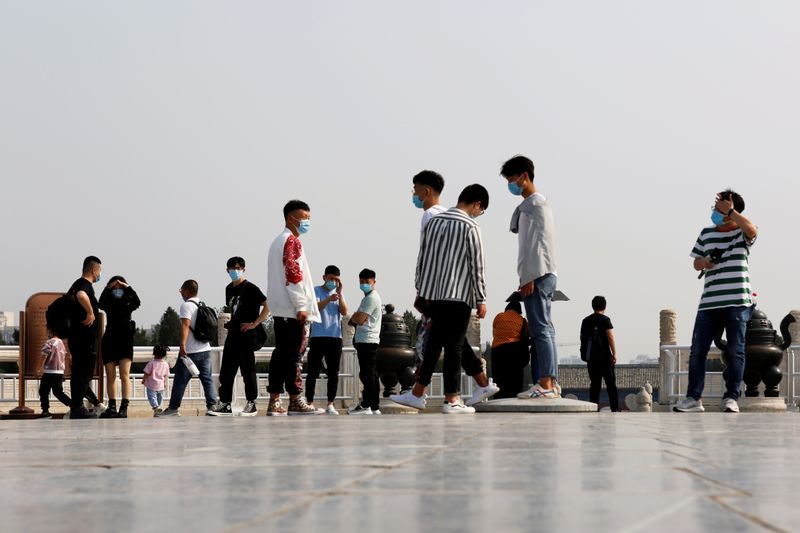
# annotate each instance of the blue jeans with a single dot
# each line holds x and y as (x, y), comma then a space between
(537, 309)
(706, 326)
(182, 376)
(155, 397)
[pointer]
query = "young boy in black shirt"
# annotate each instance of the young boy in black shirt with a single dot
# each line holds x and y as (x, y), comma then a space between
(599, 351)
(248, 307)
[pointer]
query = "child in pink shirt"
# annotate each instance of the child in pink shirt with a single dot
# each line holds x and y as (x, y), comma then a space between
(54, 356)
(155, 378)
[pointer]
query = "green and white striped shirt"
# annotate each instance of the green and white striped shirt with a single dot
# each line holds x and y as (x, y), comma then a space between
(727, 284)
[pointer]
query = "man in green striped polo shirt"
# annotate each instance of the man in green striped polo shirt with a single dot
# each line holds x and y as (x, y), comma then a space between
(720, 254)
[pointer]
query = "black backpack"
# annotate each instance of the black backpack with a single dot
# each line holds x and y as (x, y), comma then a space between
(205, 326)
(591, 345)
(61, 315)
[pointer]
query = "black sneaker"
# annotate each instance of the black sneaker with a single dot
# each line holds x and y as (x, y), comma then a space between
(45, 414)
(249, 409)
(110, 412)
(80, 414)
(221, 409)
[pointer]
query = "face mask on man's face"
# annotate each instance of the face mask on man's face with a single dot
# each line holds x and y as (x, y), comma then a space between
(330, 285)
(366, 288)
(235, 274)
(717, 218)
(514, 188)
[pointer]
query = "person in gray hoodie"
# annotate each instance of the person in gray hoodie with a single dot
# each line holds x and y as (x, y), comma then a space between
(532, 221)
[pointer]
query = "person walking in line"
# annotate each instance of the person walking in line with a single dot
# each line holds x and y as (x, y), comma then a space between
(290, 292)
(249, 309)
(721, 254)
(196, 351)
(450, 282)
(368, 321)
(119, 301)
(532, 221)
(155, 377)
(326, 337)
(599, 350)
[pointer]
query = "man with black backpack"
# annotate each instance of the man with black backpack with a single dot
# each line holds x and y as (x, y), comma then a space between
(599, 350)
(83, 335)
(248, 307)
(198, 323)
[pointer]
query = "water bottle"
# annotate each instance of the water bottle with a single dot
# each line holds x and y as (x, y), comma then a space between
(193, 370)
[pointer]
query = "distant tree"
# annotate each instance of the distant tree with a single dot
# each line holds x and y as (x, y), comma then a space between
(141, 337)
(411, 322)
(16, 336)
(168, 330)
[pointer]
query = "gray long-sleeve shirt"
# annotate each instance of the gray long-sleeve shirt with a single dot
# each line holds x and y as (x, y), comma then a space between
(533, 223)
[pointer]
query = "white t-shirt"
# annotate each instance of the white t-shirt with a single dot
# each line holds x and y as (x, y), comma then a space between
(189, 310)
(370, 331)
(429, 214)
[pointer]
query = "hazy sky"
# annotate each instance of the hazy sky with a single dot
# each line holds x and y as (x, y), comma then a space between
(165, 137)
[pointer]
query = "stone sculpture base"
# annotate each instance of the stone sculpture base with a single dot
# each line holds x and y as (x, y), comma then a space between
(515, 405)
(760, 404)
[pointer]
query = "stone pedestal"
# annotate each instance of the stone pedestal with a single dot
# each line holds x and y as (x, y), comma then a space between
(759, 404)
(515, 405)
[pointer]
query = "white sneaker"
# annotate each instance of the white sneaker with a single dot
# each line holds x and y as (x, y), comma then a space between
(457, 408)
(359, 410)
(528, 394)
(557, 388)
(408, 399)
(729, 405)
(376, 411)
(689, 405)
(331, 410)
(481, 393)
(537, 392)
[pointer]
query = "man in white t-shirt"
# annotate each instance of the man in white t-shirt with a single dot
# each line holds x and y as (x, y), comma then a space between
(368, 321)
(198, 351)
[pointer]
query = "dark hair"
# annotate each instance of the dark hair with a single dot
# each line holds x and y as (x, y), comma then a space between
(432, 179)
(516, 166)
(160, 352)
(599, 303)
(474, 193)
(233, 261)
(294, 205)
(514, 306)
(738, 201)
(90, 262)
(190, 286)
(332, 269)
(116, 278)
(366, 274)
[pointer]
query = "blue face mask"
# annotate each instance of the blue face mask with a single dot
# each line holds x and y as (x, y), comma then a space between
(330, 285)
(717, 218)
(366, 288)
(514, 188)
(419, 204)
(235, 275)
(117, 293)
(98, 278)
(303, 226)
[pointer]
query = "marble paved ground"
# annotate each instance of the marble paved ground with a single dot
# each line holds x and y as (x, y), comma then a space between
(488, 472)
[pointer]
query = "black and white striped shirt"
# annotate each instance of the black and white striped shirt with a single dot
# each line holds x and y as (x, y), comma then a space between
(450, 263)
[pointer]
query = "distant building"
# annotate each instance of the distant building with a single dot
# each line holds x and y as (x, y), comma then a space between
(644, 359)
(570, 360)
(7, 319)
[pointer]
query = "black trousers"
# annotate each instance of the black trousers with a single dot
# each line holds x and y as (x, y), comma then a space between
(603, 371)
(237, 355)
(55, 383)
(329, 349)
(449, 322)
(287, 359)
(84, 359)
(508, 368)
(368, 374)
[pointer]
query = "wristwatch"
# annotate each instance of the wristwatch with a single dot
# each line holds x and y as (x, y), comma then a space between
(731, 211)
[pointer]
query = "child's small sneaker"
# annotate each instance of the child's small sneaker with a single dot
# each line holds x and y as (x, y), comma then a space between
(157, 411)
(457, 408)
(249, 409)
(331, 410)
(359, 410)
(689, 405)
(408, 399)
(221, 409)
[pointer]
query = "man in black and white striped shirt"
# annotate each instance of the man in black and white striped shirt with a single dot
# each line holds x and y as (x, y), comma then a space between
(450, 279)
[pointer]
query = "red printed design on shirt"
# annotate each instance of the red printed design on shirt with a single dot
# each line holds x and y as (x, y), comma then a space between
(292, 251)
